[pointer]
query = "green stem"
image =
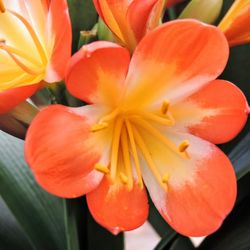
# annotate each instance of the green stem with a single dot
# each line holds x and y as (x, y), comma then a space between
(171, 13)
(71, 225)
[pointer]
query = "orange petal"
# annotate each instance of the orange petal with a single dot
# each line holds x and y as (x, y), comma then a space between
(96, 73)
(201, 190)
(114, 14)
(175, 60)
(216, 113)
(236, 23)
(60, 38)
(11, 98)
(62, 151)
(138, 16)
(116, 208)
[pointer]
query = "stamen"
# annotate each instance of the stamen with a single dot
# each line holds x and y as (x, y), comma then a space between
(147, 157)
(183, 146)
(165, 178)
(124, 178)
(115, 147)
(98, 127)
(165, 107)
(134, 153)
(155, 118)
(2, 7)
(19, 63)
(17, 52)
(33, 36)
(110, 116)
(126, 158)
(101, 168)
(147, 126)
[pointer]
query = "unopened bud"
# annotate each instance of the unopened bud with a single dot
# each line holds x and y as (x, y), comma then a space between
(203, 10)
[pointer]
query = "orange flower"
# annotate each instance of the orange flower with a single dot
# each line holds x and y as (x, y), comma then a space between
(130, 20)
(35, 43)
(152, 122)
(236, 23)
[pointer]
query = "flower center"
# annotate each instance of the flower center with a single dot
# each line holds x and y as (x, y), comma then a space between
(128, 142)
(22, 59)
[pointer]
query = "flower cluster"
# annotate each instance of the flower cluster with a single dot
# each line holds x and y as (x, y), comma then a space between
(155, 109)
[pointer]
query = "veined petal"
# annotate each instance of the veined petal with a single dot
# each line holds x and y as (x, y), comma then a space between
(10, 98)
(62, 151)
(235, 24)
(217, 112)
(96, 73)
(59, 38)
(200, 189)
(116, 208)
(175, 60)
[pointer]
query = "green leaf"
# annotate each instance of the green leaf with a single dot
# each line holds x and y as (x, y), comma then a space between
(11, 234)
(166, 241)
(99, 238)
(237, 71)
(182, 243)
(234, 233)
(158, 223)
(39, 214)
(71, 218)
(83, 17)
(240, 157)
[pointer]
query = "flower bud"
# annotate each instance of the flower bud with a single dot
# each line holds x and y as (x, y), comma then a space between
(203, 10)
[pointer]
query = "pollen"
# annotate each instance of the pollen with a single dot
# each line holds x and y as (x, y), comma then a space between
(101, 168)
(165, 107)
(99, 126)
(123, 178)
(183, 146)
(2, 7)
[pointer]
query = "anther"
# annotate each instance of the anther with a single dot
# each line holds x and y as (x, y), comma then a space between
(183, 146)
(2, 7)
(123, 178)
(101, 168)
(165, 107)
(165, 178)
(99, 126)
(2, 41)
